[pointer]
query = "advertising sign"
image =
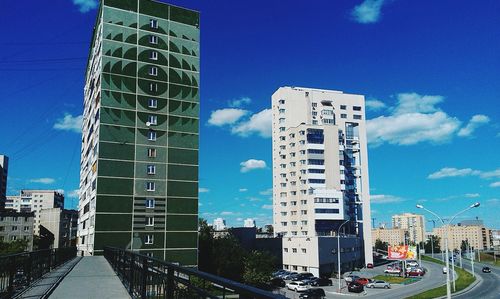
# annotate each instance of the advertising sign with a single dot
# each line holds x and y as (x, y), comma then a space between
(402, 252)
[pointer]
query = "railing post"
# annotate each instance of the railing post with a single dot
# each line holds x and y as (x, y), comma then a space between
(12, 272)
(144, 277)
(170, 283)
(131, 275)
(29, 268)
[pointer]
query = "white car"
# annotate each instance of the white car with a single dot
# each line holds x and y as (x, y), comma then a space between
(378, 284)
(392, 271)
(412, 264)
(444, 270)
(297, 286)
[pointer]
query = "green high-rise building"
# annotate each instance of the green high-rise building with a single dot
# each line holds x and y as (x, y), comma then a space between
(139, 160)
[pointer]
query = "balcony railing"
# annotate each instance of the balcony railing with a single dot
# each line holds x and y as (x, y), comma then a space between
(18, 271)
(147, 277)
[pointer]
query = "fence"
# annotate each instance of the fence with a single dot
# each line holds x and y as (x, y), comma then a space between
(18, 271)
(147, 277)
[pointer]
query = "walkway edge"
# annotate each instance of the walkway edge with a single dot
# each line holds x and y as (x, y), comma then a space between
(55, 285)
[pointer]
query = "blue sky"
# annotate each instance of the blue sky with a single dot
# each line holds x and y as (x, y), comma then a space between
(429, 70)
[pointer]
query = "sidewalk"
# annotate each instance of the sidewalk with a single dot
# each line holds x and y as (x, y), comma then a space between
(91, 278)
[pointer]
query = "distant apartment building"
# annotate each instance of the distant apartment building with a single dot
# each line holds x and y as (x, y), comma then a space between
(249, 222)
(35, 201)
(219, 224)
(139, 157)
(495, 238)
(62, 223)
(414, 224)
(16, 226)
(13, 202)
(320, 176)
(478, 236)
(392, 236)
(4, 171)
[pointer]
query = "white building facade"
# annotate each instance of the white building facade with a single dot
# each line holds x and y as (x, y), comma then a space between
(249, 222)
(320, 172)
(219, 224)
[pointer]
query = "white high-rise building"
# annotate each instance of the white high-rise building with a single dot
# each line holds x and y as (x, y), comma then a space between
(249, 222)
(219, 224)
(320, 177)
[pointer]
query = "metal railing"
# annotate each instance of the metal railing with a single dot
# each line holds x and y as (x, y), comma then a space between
(18, 271)
(147, 277)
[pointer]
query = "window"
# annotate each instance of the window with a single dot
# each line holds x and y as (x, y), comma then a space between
(281, 111)
(2, 228)
(294, 267)
(303, 212)
(283, 223)
(304, 268)
(303, 201)
(151, 169)
(153, 55)
(356, 108)
(153, 71)
(153, 23)
(151, 152)
(150, 221)
(281, 102)
(282, 129)
(314, 113)
(153, 39)
(343, 115)
(304, 222)
(152, 120)
(304, 251)
(152, 103)
(283, 213)
(315, 122)
(294, 222)
(151, 135)
(356, 116)
(26, 228)
(326, 211)
(150, 186)
(150, 203)
(314, 104)
(14, 228)
(285, 249)
(281, 120)
(13, 238)
(343, 107)
(294, 250)
(149, 239)
(153, 87)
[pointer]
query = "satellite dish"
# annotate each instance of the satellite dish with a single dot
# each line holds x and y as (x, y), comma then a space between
(148, 124)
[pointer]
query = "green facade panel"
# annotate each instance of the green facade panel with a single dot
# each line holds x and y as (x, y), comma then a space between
(118, 151)
(183, 156)
(184, 257)
(182, 240)
(117, 117)
(113, 168)
(113, 239)
(182, 223)
(115, 204)
(118, 99)
(182, 172)
(113, 222)
(122, 4)
(182, 205)
(115, 186)
(183, 189)
(117, 134)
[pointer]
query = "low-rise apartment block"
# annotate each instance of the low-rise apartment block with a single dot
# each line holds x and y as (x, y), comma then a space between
(16, 226)
(478, 237)
(63, 224)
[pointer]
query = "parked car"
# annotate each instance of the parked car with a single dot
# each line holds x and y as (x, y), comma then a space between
(321, 282)
(308, 280)
(445, 270)
(315, 293)
(279, 272)
(355, 287)
(289, 275)
(392, 270)
(412, 263)
(378, 284)
(363, 281)
(297, 286)
(278, 282)
(415, 272)
(302, 276)
(486, 270)
(351, 278)
(369, 266)
(283, 274)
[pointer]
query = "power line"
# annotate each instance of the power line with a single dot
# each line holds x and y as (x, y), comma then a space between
(46, 60)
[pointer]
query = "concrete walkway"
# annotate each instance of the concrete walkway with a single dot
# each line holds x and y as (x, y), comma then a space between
(91, 278)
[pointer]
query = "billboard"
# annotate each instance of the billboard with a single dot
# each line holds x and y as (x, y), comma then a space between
(402, 252)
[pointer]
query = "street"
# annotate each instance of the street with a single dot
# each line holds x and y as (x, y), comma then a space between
(489, 287)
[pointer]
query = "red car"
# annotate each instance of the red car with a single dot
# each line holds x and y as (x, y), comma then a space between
(363, 281)
(369, 266)
(415, 273)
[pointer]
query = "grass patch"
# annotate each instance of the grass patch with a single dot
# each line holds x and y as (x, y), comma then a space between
(391, 279)
(463, 281)
(488, 259)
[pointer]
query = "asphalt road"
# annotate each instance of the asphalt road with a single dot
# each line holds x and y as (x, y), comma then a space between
(488, 288)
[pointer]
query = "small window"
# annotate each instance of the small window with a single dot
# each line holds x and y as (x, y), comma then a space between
(151, 169)
(150, 186)
(149, 239)
(294, 250)
(153, 71)
(150, 203)
(314, 104)
(153, 87)
(343, 115)
(356, 108)
(281, 102)
(152, 136)
(304, 251)
(152, 120)
(151, 152)
(356, 116)
(153, 23)
(153, 55)
(153, 39)
(343, 107)
(285, 249)
(152, 103)
(150, 221)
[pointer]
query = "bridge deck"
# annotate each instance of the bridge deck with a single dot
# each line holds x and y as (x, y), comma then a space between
(92, 277)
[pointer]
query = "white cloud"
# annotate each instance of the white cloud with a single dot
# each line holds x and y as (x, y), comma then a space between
(495, 184)
(74, 193)
(493, 200)
(259, 123)
(203, 190)
(69, 123)
(240, 102)
(414, 102)
(490, 174)
(374, 105)
(472, 195)
(46, 181)
(475, 122)
(254, 199)
(266, 192)
(226, 213)
(452, 172)
(252, 164)
(227, 116)
(368, 11)
(384, 198)
(86, 5)
(267, 207)
(243, 190)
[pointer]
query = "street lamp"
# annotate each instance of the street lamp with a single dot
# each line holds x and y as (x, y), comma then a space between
(338, 250)
(475, 205)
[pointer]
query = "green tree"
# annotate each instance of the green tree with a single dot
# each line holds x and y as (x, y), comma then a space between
(379, 245)
(436, 241)
(227, 258)
(464, 245)
(17, 246)
(205, 245)
(258, 267)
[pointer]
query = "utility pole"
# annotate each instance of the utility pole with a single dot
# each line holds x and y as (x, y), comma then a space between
(373, 222)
